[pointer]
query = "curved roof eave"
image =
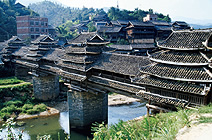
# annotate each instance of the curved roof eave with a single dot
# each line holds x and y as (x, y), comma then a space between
(179, 63)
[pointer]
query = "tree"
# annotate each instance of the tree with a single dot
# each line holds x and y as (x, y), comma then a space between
(91, 27)
(10, 3)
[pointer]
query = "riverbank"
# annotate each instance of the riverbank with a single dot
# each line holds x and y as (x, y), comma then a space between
(181, 125)
(55, 107)
(113, 100)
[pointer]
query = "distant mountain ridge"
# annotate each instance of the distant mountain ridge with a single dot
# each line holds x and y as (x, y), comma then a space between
(197, 26)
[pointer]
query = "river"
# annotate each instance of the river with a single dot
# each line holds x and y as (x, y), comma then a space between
(57, 126)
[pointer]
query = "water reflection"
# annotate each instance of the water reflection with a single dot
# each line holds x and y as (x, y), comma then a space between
(58, 126)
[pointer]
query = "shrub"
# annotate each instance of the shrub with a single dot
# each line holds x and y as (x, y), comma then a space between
(17, 103)
(9, 109)
(5, 116)
(36, 109)
(32, 111)
(27, 107)
(40, 107)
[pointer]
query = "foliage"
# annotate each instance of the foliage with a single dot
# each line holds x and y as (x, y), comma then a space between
(20, 97)
(137, 14)
(161, 126)
(9, 125)
(8, 13)
(64, 30)
(27, 107)
(10, 80)
(17, 103)
(91, 27)
(123, 42)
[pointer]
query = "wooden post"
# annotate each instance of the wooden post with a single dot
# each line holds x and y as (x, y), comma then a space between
(149, 102)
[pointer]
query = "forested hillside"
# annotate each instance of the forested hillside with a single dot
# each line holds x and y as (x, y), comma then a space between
(8, 13)
(58, 14)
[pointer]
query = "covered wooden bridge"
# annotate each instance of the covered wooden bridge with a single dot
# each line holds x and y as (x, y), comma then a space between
(178, 74)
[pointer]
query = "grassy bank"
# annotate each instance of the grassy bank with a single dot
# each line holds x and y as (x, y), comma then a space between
(160, 126)
(16, 96)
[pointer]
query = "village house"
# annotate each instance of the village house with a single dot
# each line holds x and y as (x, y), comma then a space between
(150, 17)
(162, 29)
(31, 26)
(180, 25)
(140, 32)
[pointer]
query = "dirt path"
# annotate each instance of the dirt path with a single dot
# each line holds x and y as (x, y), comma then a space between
(13, 84)
(197, 131)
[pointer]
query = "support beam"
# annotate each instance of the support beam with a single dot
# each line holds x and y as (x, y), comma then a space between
(87, 108)
(156, 108)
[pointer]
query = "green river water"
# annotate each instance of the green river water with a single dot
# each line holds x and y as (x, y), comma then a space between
(58, 126)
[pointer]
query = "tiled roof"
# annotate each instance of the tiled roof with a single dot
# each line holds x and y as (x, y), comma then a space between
(133, 46)
(14, 39)
(44, 39)
(186, 40)
(163, 28)
(122, 47)
(182, 73)
(84, 38)
(82, 50)
(63, 73)
(160, 23)
(138, 23)
(180, 57)
(181, 23)
(171, 85)
(72, 65)
(107, 29)
(123, 22)
(123, 64)
(54, 54)
(21, 52)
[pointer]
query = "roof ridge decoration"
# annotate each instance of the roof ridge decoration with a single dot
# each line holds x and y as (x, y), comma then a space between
(43, 38)
(208, 72)
(205, 57)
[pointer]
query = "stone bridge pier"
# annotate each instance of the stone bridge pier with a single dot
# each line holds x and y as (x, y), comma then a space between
(46, 87)
(86, 108)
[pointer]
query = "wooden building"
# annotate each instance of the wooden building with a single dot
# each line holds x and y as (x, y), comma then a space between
(113, 34)
(162, 29)
(180, 25)
(134, 49)
(181, 68)
(140, 32)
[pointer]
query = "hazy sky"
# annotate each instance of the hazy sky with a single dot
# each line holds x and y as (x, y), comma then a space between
(192, 11)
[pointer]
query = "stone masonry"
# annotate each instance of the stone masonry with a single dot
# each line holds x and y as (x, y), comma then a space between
(46, 87)
(87, 108)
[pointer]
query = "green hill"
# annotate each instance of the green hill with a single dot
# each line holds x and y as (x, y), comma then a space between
(58, 14)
